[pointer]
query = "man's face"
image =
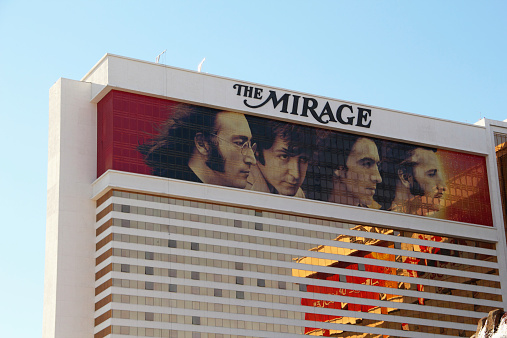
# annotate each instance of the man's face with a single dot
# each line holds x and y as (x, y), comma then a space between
(428, 175)
(283, 170)
(232, 132)
(362, 175)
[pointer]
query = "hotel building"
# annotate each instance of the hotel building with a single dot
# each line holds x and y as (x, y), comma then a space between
(131, 252)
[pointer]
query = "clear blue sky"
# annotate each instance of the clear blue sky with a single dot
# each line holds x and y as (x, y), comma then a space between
(438, 58)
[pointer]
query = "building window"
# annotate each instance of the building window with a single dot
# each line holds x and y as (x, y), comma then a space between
(259, 226)
(125, 208)
(172, 243)
(217, 293)
(302, 287)
(240, 295)
(282, 285)
(194, 246)
(125, 268)
(196, 320)
(194, 275)
(148, 270)
(261, 282)
(148, 255)
(148, 285)
(238, 223)
(173, 288)
(196, 335)
(149, 316)
(239, 280)
(125, 223)
(238, 266)
(172, 273)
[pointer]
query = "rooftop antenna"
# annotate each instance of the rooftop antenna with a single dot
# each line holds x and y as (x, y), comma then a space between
(200, 65)
(157, 59)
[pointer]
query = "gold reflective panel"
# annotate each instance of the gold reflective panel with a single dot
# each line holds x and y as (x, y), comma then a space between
(501, 160)
(444, 292)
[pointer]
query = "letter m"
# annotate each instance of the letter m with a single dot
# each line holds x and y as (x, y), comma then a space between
(284, 100)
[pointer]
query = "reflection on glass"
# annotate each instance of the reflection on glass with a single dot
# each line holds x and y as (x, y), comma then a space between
(434, 259)
(501, 160)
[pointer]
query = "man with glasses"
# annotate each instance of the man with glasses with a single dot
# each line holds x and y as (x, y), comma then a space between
(202, 145)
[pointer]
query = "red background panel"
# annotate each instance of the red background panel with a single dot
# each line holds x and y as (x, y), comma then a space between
(124, 121)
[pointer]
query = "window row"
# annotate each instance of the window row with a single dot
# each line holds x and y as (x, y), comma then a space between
(207, 306)
(277, 216)
(360, 231)
(168, 333)
(211, 277)
(419, 271)
(480, 268)
(343, 278)
(205, 321)
(327, 306)
(352, 322)
(296, 273)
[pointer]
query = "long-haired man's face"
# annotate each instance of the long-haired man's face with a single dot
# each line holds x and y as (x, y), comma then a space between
(428, 174)
(283, 170)
(360, 176)
(229, 162)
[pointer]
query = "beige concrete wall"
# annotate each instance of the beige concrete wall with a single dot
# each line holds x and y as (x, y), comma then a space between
(70, 237)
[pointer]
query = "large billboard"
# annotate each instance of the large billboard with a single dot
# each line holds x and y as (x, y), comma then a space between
(188, 142)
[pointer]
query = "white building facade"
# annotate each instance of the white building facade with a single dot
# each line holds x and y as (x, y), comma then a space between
(133, 253)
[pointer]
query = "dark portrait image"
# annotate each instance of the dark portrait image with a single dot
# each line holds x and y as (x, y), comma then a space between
(356, 173)
(347, 171)
(203, 145)
(417, 179)
(284, 151)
